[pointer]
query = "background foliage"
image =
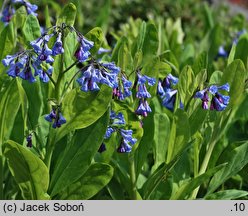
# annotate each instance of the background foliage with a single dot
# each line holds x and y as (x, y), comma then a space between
(189, 153)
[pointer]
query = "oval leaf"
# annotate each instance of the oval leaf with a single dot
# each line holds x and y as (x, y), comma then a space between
(95, 178)
(77, 158)
(30, 173)
(83, 109)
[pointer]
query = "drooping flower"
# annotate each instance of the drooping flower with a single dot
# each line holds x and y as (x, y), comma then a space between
(42, 72)
(124, 88)
(51, 116)
(109, 132)
(59, 121)
(109, 74)
(103, 50)
(7, 14)
(58, 46)
(103, 74)
(116, 122)
(222, 52)
(19, 66)
(82, 53)
(219, 102)
(117, 119)
(29, 141)
(124, 147)
(143, 108)
(142, 93)
(127, 141)
(127, 136)
(56, 117)
(102, 148)
(89, 79)
(41, 48)
(9, 60)
(167, 92)
(26, 74)
(31, 8)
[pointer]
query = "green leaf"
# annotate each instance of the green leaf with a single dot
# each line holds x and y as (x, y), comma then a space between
(82, 109)
(24, 103)
(215, 78)
(208, 15)
(77, 157)
(235, 75)
(9, 106)
(94, 179)
(140, 39)
(19, 17)
(215, 40)
(187, 55)
(161, 138)
(35, 101)
(7, 43)
(186, 84)
(187, 188)
(232, 54)
(241, 47)
(68, 15)
(164, 70)
(146, 142)
(104, 16)
(114, 190)
(237, 158)
(30, 173)
(150, 43)
(31, 28)
(197, 119)
(1, 176)
(227, 195)
(161, 174)
(117, 47)
(179, 135)
(66, 60)
(125, 61)
(95, 35)
(200, 63)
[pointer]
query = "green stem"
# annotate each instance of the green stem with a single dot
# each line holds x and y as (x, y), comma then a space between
(1, 177)
(70, 67)
(204, 166)
(133, 178)
(50, 77)
(50, 148)
(51, 138)
(68, 85)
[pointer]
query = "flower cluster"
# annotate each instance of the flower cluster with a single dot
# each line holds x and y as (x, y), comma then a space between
(9, 10)
(167, 92)
(116, 121)
(219, 102)
(123, 89)
(56, 117)
(104, 73)
(82, 53)
(40, 59)
(142, 94)
(19, 66)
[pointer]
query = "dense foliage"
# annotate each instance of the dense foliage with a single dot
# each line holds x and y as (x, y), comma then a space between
(122, 100)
